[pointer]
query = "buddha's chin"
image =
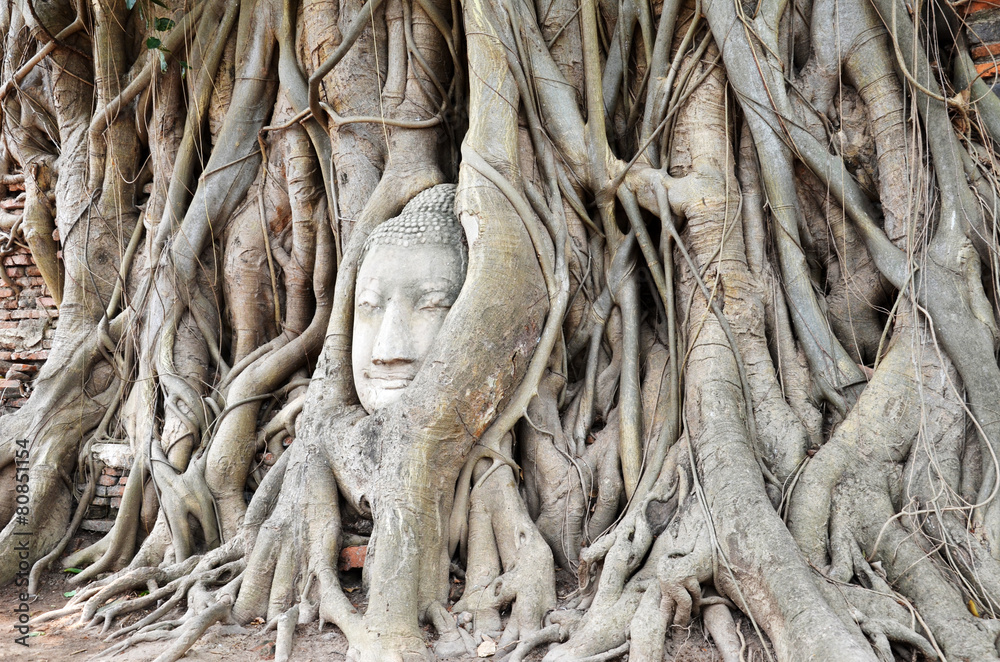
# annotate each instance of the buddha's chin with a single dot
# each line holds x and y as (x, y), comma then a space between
(383, 396)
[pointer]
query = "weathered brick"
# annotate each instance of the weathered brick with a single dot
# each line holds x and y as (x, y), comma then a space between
(29, 356)
(25, 367)
(123, 480)
(107, 480)
(10, 383)
(352, 557)
(116, 490)
(108, 471)
(47, 301)
(116, 502)
(32, 271)
(98, 525)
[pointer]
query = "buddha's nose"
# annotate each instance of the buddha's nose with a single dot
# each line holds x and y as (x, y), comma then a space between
(394, 342)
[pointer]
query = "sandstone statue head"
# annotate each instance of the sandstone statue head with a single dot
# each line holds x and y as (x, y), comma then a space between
(412, 268)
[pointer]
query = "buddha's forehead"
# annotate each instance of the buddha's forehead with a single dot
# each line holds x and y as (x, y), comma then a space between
(419, 265)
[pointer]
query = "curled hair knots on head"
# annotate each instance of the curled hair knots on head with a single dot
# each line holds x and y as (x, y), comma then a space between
(429, 218)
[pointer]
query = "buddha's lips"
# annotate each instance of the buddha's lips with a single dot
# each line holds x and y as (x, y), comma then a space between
(390, 381)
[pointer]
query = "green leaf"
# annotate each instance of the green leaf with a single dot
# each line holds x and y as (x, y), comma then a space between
(75, 571)
(69, 594)
(35, 634)
(184, 69)
(164, 24)
(152, 43)
(129, 4)
(142, 593)
(159, 3)
(163, 60)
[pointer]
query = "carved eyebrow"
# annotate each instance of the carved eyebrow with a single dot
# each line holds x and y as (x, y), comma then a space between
(437, 285)
(367, 293)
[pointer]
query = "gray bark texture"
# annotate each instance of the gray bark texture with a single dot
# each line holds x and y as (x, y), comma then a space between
(725, 346)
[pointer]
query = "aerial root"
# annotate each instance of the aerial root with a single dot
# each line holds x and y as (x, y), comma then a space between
(880, 631)
(510, 562)
(551, 633)
(453, 641)
(720, 624)
(286, 633)
(612, 654)
(130, 580)
(194, 628)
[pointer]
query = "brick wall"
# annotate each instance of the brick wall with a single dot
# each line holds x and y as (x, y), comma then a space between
(27, 323)
(117, 459)
(983, 30)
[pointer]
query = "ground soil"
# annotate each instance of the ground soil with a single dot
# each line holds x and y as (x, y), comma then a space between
(66, 639)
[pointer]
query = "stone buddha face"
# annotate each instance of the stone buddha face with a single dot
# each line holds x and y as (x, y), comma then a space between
(412, 270)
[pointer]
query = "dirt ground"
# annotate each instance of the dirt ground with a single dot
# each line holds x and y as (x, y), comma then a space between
(66, 639)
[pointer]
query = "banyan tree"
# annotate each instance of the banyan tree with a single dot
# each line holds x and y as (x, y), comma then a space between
(696, 300)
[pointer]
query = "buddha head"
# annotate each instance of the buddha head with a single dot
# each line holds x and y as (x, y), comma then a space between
(411, 271)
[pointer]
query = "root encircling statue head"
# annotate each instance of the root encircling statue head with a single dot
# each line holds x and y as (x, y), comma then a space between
(412, 269)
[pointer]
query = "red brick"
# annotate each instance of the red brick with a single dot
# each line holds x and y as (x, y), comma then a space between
(987, 69)
(107, 480)
(47, 301)
(981, 5)
(26, 314)
(25, 367)
(5, 356)
(116, 502)
(123, 480)
(15, 272)
(10, 383)
(32, 271)
(29, 356)
(116, 490)
(985, 50)
(108, 471)
(10, 304)
(20, 402)
(352, 557)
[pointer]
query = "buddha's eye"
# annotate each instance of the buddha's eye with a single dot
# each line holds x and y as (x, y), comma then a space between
(368, 303)
(435, 301)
